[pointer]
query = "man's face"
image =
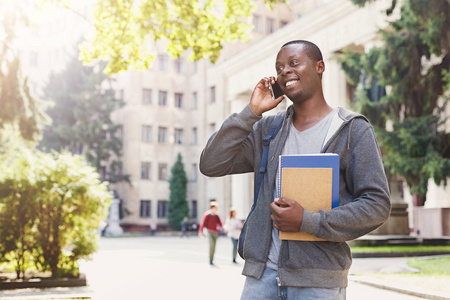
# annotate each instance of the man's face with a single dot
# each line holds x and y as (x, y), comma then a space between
(298, 76)
(213, 209)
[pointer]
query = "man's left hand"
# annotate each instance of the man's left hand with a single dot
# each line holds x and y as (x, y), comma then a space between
(287, 215)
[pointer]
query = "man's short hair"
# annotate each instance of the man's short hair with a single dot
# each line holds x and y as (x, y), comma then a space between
(312, 50)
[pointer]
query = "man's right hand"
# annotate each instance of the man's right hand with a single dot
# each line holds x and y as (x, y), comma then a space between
(261, 100)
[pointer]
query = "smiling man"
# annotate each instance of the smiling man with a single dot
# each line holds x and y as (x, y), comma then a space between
(285, 269)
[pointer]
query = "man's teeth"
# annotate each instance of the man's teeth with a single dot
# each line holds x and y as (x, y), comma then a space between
(290, 82)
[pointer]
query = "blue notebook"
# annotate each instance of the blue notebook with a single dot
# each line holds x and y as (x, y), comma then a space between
(313, 181)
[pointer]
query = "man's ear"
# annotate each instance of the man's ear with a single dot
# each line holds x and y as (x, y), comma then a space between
(320, 67)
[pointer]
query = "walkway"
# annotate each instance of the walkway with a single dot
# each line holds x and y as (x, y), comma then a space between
(135, 268)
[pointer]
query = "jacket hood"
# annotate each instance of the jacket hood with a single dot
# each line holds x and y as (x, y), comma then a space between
(343, 117)
(344, 114)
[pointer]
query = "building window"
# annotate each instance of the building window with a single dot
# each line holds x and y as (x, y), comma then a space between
(194, 173)
(145, 170)
(194, 100)
(162, 208)
(212, 128)
(194, 67)
(283, 23)
(162, 172)
(146, 96)
(162, 135)
(270, 25)
(146, 133)
(146, 209)
(179, 100)
(163, 62)
(374, 91)
(194, 135)
(194, 209)
(213, 94)
(178, 134)
(162, 98)
(179, 65)
(257, 23)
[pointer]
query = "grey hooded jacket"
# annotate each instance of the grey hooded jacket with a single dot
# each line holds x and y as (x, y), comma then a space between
(364, 202)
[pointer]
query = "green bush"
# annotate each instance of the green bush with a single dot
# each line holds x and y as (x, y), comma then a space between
(50, 208)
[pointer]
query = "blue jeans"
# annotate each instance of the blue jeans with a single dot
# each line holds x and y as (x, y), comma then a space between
(266, 288)
(235, 245)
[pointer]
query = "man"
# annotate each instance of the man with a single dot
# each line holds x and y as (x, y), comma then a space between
(212, 222)
(278, 269)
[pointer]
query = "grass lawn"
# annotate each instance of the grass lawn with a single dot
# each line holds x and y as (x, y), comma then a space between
(395, 249)
(434, 274)
(432, 266)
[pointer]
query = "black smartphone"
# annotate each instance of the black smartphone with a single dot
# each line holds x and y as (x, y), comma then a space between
(276, 90)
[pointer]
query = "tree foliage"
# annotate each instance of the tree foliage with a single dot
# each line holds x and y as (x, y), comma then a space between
(413, 64)
(20, 109)
(178, 206)
(50, 208)
(17, 213)
(83, 104)
(125, 29)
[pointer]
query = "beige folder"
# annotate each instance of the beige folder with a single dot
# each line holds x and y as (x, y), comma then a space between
(312, 189)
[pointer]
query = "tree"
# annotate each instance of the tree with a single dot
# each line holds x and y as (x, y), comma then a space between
(17, 211)
(83, 104)
(124, 29)
(72, 203)
(51, 206)
(178, 206)
(20, 109)
(413, 64)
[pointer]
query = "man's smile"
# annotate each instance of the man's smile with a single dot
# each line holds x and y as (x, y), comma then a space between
(291, 82)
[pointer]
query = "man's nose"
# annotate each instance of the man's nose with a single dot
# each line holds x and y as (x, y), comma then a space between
(286, 70)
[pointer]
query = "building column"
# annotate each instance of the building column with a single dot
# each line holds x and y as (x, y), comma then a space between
(398, 222)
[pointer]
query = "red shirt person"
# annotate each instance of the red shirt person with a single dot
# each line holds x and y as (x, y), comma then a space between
(212, 223)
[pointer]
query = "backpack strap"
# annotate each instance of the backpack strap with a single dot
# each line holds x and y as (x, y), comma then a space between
(274, 127)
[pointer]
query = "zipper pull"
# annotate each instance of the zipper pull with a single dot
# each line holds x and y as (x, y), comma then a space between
(278, 281)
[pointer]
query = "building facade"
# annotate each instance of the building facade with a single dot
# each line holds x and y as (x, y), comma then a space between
(175, 105)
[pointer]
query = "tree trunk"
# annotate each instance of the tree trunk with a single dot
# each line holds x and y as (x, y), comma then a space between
(418, 200)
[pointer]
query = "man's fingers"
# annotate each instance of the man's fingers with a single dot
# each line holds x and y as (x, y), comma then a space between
(286, 202)
(279, 99)
(275, 208)
(275, 224)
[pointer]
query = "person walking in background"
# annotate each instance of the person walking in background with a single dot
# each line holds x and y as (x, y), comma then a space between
(152, 229)
(212, 222)
(184, 227)
(233, 227)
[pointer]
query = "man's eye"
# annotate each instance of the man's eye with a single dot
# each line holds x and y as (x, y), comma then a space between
(294, 62)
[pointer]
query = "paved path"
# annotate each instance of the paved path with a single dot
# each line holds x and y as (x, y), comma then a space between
(135, 268)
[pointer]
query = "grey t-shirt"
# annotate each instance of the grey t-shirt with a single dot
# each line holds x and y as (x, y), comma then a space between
(309, 141)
